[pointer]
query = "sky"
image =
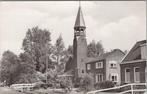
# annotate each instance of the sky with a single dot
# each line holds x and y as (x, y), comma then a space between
(117, 24)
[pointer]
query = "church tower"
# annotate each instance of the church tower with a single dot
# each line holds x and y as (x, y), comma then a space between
(79, 45)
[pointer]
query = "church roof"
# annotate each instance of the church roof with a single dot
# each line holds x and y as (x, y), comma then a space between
(79, 20)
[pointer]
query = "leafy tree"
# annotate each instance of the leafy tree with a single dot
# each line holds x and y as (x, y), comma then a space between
(26, 61)
(59, 53)
(37, 44)
(27, 72)
(67, 54)
(70, 50)
(84, 83)
(66, 84)
(60, 68)
(10, 67)
(77, 82)
(95, 49)
(100, 48)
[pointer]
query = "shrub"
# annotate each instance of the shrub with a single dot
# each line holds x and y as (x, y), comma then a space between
(105, 84)
(84, 83)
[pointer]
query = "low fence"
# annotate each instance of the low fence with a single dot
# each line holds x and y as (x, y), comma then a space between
(23, 87)
(134, 88)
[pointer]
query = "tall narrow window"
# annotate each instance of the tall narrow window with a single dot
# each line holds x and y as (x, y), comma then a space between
(88, 66)
(127, 75)
(99, 78)
(136, 75)
(114, 78)
(99, 65)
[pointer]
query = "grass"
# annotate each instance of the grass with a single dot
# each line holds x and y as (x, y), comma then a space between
(7, 90)
(51, 91)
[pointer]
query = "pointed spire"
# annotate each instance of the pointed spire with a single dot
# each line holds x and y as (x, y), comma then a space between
(79, 20)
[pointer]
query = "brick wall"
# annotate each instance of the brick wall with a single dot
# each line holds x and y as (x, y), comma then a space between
(95, 71)
(141, 65)
(80, 55)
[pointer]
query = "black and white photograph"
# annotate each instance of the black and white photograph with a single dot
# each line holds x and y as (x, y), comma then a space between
(73, 47)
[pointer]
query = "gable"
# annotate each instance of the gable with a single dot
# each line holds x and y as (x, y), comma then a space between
(135, 52)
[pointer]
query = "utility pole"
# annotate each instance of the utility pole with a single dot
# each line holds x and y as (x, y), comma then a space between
(46, 62)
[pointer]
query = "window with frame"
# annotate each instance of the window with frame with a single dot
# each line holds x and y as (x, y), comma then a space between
(127, 75)
(136, 74)
(88, 66)
(99, 65)
(99, 78)
(114, 77)
(113, 64)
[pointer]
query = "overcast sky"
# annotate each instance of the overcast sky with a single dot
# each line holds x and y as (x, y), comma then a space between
(116, 24)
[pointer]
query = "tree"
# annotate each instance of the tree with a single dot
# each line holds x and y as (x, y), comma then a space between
(95, 49)
(27, 72)
(37, 44)
(66, 84)
(10, 67)
(70, 50)
(86, 83)
(100, 48)
(59, 50)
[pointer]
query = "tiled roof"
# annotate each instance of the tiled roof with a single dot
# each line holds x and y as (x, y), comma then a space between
(135, 47)
(101, 57)
(79, 20)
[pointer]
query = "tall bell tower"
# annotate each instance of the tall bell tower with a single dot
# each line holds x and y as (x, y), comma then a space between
(79, 45)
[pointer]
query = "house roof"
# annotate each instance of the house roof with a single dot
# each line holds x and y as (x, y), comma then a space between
(102, 56)
(135, 52)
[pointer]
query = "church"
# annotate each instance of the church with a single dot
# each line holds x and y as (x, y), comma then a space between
(76, 64)
(104, 67)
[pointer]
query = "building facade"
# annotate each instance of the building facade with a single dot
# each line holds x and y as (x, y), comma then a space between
(102, 68)
(134, 64)
(106, 67)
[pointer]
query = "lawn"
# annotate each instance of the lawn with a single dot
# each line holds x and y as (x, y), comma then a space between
(51, 91)
(7, 90)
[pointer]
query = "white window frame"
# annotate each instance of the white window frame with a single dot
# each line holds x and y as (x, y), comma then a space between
(99, 64)
(135, 75)
(115, 75)
(126, 76)
(88, 66)
(97, 78)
